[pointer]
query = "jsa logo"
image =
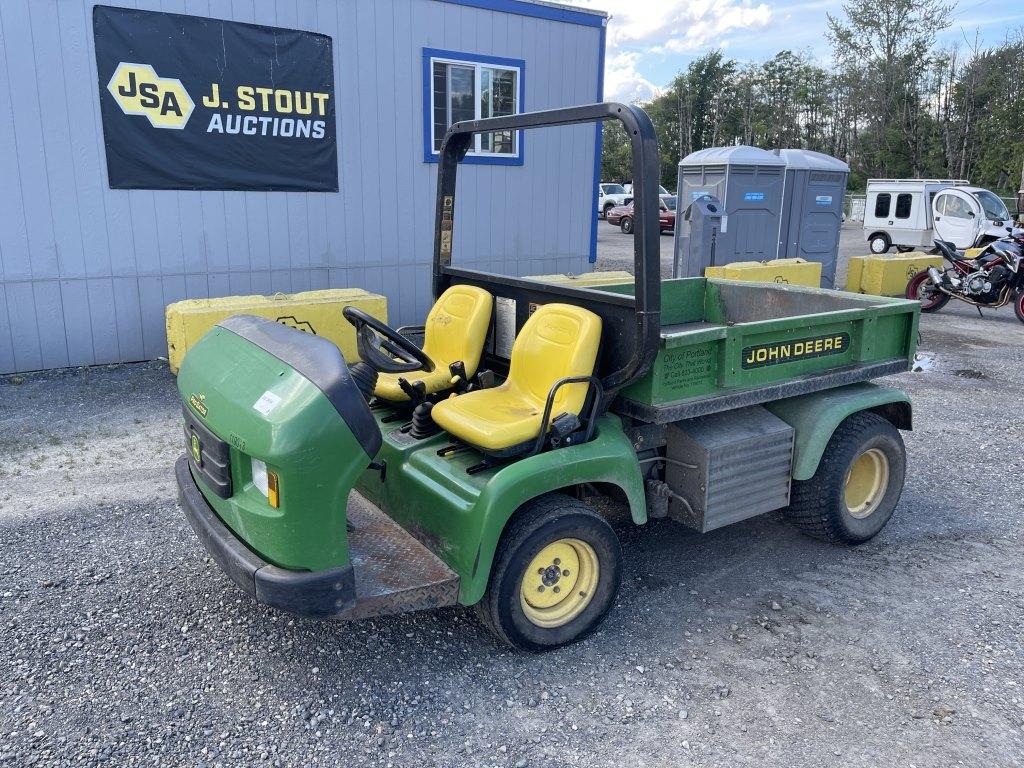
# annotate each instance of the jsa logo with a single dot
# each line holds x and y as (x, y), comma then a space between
(138, 90)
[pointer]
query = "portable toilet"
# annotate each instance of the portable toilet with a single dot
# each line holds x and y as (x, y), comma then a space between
(812, 208)
(749, 183)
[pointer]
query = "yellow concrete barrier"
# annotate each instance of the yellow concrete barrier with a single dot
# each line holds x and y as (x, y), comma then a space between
(855, 273)
(973, 253)
(586, 280)
(887, 275)
(791, 271)
(317, 312)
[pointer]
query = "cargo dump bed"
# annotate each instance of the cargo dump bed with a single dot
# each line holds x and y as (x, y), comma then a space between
(727, 344)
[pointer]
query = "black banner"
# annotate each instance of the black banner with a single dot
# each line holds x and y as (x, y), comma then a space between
(196, 103)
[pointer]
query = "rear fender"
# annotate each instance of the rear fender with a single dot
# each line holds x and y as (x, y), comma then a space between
(815, 417)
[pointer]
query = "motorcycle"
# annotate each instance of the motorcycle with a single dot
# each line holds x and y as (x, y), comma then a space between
(993, 279)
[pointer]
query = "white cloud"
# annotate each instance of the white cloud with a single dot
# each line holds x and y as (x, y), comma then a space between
(622, 81)
(641, 29)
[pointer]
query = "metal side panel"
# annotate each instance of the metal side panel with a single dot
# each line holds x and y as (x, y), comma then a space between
(394, 573)
(729, 466)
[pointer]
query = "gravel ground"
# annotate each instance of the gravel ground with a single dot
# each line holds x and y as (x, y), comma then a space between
(751, 645)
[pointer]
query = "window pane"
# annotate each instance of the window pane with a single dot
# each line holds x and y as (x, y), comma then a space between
(440, 89)
(461, 88)
(956, 207)
(498, 94)
(453, 87)
(903, 205)
(882, 203)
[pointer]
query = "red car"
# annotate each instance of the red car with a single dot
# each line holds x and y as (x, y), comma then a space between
(622, 215)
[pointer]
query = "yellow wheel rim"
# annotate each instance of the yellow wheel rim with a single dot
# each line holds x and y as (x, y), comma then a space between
(866, 483)
(559, 583)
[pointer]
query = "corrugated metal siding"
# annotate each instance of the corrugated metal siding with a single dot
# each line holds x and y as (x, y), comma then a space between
(87, 271)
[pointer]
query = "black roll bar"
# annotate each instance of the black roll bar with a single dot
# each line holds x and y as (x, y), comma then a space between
(646, 302)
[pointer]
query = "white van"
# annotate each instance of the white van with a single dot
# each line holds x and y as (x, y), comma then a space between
(911, 213)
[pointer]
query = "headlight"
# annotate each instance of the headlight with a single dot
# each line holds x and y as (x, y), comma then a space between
(266, 482)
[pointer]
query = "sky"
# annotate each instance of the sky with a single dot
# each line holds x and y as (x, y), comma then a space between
(649, 41)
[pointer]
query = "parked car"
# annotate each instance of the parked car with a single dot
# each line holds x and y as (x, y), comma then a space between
(912, 213)
(663, 193)
(622, 216)
(608, 196)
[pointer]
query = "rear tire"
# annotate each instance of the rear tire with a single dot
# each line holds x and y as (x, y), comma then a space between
(904, 248)
(607, 208)
(1018, 306)
(879, 243)
(857, 485)
(573, 592)
(626, 225)
(932, 299)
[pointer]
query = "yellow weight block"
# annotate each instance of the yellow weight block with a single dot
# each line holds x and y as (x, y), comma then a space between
(785, 271)
(586, 280)
(316, 312)
(855, 273)
(889, 275)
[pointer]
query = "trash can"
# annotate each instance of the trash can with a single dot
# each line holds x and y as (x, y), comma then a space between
(698, 249)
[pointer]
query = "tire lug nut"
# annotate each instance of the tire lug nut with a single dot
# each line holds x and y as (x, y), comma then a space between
(540, 571)
(556, 589)
(540, 588)
(565, 573)
(558, 561)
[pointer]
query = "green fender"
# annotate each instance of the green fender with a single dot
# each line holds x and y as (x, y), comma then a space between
(608, 459)
(816, 416)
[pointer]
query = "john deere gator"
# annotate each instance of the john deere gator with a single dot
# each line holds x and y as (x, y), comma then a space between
(450, 466)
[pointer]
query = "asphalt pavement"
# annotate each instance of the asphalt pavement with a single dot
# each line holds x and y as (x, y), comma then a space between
(123, 644)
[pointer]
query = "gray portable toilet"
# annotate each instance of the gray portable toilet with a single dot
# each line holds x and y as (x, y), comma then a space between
(813, 209)
(749, 182)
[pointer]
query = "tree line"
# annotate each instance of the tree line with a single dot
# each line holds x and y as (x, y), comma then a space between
(893, 103)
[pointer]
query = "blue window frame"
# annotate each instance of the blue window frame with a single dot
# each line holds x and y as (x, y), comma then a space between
(469, 86)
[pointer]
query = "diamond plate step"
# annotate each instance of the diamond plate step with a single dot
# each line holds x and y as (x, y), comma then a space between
(394, 573)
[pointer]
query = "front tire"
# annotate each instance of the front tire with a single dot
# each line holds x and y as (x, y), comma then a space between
(857, 485)
(904, 248)
(879, 243)
(555, 576)
(626, 225)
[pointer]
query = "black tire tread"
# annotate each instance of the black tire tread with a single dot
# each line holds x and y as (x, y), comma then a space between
(808, 509)
(532, 515)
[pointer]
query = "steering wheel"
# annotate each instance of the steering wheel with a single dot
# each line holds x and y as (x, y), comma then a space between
(379, 344)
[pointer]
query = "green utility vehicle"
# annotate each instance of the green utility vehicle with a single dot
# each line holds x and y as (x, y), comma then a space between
(455, 470)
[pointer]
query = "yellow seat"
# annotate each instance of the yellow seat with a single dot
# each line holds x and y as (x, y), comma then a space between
(455, 330)
(558, 340)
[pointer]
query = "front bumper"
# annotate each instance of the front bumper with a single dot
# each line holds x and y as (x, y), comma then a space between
(310, 593)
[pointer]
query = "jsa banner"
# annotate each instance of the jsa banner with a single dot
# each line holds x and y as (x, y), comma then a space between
(197, 103)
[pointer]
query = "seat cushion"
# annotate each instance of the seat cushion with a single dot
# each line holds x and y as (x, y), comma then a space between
(387, 387)
(492, 419)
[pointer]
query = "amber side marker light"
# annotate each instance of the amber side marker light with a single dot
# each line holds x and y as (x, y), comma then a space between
(273, 489)
(266, 482)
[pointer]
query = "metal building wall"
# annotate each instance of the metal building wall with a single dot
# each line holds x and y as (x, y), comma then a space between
(86, 271)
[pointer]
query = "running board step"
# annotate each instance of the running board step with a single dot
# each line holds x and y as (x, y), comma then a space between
(394, 573)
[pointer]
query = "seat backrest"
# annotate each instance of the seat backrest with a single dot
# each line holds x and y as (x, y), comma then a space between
(456, 327)
(558, 340)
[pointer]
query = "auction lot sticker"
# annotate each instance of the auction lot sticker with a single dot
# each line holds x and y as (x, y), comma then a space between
(196, 103)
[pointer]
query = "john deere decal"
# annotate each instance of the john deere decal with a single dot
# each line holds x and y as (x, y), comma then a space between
(196, 103)
(776, 353)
